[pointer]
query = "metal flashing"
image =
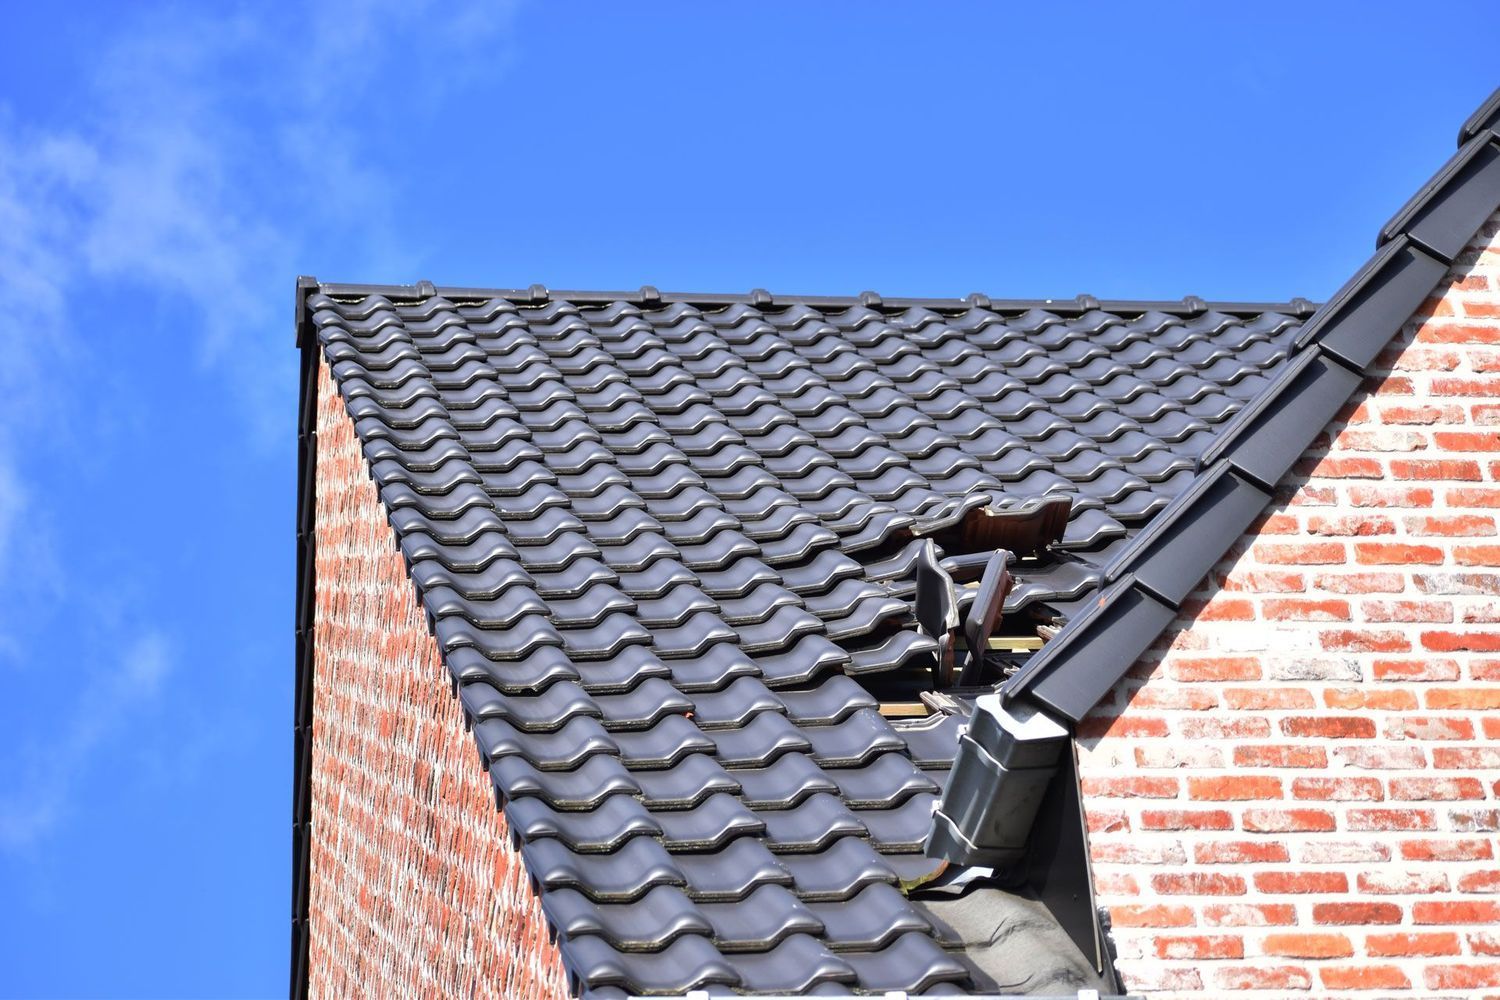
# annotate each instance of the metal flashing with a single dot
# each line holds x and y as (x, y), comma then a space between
(1438, 216)
(1265, 439)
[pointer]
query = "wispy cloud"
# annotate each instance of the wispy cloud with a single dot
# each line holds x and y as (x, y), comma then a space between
(39, 792)
(218, 158)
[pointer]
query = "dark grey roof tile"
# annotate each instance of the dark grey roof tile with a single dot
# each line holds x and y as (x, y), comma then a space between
(796, 965)
(654, 539)
(733, 873)
(708, 825)
(618, 876)
(686, 784)
(650, 923)
(874, 918)
(617, 819)
(690, 962)
(914, 963)
(584, 788)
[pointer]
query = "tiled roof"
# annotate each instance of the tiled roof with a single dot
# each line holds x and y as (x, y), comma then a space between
(666, 544)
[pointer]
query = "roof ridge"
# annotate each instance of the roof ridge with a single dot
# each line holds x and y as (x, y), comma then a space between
(648, 295)
(1151, 577)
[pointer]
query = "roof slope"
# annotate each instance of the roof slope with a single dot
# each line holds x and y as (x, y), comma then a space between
(660, 536)
(1151, 576)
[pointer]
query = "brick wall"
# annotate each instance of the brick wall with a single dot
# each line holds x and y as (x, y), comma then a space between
(1298, 789)
(414, 889)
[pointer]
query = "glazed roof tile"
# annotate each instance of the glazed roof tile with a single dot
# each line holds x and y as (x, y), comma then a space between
(665, 546)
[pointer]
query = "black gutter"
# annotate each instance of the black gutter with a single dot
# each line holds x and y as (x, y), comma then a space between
(302, 712)
(1152, 576)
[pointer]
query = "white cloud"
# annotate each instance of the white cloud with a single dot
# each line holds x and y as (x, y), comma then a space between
(46, 772)
(217, 153)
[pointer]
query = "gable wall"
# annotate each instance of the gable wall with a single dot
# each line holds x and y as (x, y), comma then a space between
(414, 888)
(1298, 788)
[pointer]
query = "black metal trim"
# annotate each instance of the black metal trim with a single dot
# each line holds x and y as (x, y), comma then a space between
(1058, 868)
(1079, 667)
(651, 298)
(302, 715)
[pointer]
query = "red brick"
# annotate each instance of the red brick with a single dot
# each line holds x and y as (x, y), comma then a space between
(1231, 852)
(1447, 850)
(1330, 727)
(1412, 945)
(1341, 789)
(1301, 882)
(1225, 728)
(1341, 467)
(1263, 977)
(1390, 495)
(1451, 469)
(1287, 820)
(1249, 914)
(1307, 945)
(1356, 913)
(1466, 698)
(1222, 609)
(1199, 946)
(1407, 611)
(1457, 333)
(1487, 881)
(1153, 915)
(1365, 641)
(1361, 583)
(1265, 581)
(1383, 756)
(1304, 609)
(1190, 699)
(1488, 441)
(1299, 553)
(1219, 668)
(1468, 640)
(1402, 883)
(1186, 819)
(1467, 911)
(1451, 525)
(1131, 787)
(1198, 884)
(1448, 386)
(1396, 554)
(1426, 669)
(1233, 788)
(1260, 698)
(1379, 699)
(1391, 819)
(1473, 497)
(1363, 977)
(1122, 726)
(1421, 415)
(1280, 756)
(1107, 820)
(1426, 789)
(1483, 943)
(1468, 976)
(1477, 555)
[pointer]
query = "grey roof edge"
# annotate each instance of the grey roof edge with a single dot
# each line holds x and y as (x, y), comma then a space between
(650, 297)
(903, 995)
(1075, 670)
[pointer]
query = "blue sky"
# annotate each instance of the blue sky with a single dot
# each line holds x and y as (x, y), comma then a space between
(167, 171)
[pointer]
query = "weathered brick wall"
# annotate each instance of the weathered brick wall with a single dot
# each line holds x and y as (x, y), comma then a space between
(1296, 790)
(414, 889)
